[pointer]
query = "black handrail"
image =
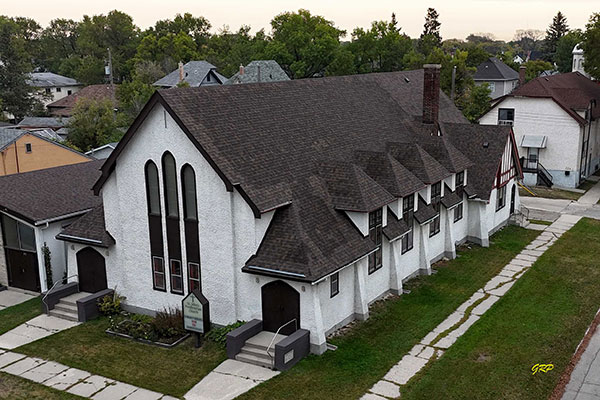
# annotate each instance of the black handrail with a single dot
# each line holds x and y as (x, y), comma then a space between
(543, 171)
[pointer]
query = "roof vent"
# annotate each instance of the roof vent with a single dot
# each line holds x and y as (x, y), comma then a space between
(486, 145)
(406, 80)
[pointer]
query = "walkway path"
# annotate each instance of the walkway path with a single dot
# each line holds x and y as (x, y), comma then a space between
(34, 329)
(550, 209)
(585, 378)
(229, 380)
(433, 345)
(12, 297)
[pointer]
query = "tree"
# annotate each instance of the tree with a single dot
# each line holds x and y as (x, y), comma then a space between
(93, 124)
(528, 39)
(229, 49)
(535, 68)
(563, 57)
(591, 50)
(476, 101)
(132, 96)
(557, 29)
(476, 55)
(58, 42)
(16, 96)
(430, 37)
(342, 64)
(303, 44)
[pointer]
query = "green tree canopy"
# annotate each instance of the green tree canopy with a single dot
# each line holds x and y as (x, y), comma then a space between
(557, 29)
(93, 124)
(535, 68)
(563, 57)
(591, 47)
(303, 44)
(476, 101)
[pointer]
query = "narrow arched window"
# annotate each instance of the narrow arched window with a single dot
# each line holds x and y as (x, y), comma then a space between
(190, 214)
(172, 222)
(155, 227)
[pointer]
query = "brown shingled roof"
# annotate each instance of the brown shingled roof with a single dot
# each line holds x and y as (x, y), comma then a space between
(64, 107)
(88, 229)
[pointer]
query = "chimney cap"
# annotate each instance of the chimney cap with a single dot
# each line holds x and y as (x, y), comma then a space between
(432, 66)
(522, 67)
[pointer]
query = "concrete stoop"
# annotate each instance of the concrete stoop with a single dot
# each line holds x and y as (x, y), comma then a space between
(255, 349)
(66, 308)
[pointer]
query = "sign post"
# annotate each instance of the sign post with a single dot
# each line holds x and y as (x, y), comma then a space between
(196, 317)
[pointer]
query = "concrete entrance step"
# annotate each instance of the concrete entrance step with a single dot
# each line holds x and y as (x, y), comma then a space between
(256, 360)
(69, 316)
(72, 299)
(262, 340)
(66, 307)
(257, 352)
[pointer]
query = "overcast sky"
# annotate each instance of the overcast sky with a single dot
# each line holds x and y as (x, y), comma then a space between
(458, 17)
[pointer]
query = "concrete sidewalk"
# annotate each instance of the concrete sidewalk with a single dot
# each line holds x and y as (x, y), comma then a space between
(585, 379)
(550, 209)
(34, 329)
(12, 297)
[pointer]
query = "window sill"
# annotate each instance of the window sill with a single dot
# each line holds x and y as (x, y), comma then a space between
(376, 269)
(160, 290)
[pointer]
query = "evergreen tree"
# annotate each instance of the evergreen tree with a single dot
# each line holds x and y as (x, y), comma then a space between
(432, 26)
(557, 29)
(591, 50)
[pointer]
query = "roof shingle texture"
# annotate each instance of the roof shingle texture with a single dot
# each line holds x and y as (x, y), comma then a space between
(64, 107)
(194, 74)
(50, 193)
(90, 226)
(50, 79)
(494, 69)
(259, 71)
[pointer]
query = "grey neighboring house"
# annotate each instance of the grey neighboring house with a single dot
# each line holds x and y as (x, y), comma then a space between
(501, 78)
(54, 86)
(54, 123)
(102, 152)
(194, 73)
(259, 71)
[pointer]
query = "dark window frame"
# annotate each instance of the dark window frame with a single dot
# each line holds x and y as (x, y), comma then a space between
(436, 198)
(185, 193)
(509, 114)
(376, 233)
(18, 225)
(190, 279)
(501, 198)
(334, 285)
(167, 186)
(173, 276)
(408, 210)
(28, 147)
(458, 212)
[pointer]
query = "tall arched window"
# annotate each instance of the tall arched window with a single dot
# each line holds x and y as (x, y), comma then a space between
(190, 214)
(155, 227)
(172, 221)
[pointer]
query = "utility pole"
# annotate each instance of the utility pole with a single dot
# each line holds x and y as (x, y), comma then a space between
(110, 69)
(453, 83)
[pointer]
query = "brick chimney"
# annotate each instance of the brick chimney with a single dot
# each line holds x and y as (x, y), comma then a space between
(522, 71)
(431, 93)
(241, 69)
(181, 73)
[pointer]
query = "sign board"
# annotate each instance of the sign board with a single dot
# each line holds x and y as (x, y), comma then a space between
(196, 317)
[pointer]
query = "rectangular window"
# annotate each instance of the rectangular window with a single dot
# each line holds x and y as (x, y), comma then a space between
(48, 90)
(501, 199)
(69, 92)
(458, 212)
(375, 233)
(335, 284)
(176, 277)
(460, 179)
(158, 272)
(17, 235)
(58, 90)
(492, 86)
(408, 209)
(194, 276)
(436, 198)
(27, 147)
(506, 116)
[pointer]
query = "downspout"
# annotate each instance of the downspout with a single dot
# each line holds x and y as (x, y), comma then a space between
(17, 156)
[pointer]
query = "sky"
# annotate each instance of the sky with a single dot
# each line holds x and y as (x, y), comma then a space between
(459, 18)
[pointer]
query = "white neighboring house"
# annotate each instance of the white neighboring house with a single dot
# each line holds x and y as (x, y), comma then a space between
(556, 124)
(52, 86)
(102, 152)
(212, 189)
(500, 78)
(34, 207)
(579, 61)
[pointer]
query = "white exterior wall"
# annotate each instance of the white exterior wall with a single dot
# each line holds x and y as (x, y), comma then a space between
(55, 95)
(501, 88)
(543, 117)
(3, 267)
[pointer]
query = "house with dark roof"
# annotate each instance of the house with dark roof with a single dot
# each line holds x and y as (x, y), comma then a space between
(500, 78)
(194, 73)
(64, 107)
(102, 152)
(24, 150)
(34, 208)
(293, 205)
(259, 71)
(53, 87)
(556, 124)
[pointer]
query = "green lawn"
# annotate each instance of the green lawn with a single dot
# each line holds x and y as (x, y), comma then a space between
(14, 316)
(540, 320)
(367, 352)
(15, 388)
(555, 193)
(170, 371)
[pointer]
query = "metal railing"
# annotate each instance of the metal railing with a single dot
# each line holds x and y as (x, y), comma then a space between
(544, 172)
(66, 280)
(275, 335)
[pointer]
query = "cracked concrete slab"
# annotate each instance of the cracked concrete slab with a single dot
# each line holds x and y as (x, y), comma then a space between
(501, 291)
(34, 329)
(23, 366)
(405, 369)
(429, 337)
(9, 358)
(371, 396)
(449, 322)
(485, 305)
(427, 353)
(462, 328)
(90, 386)
(144, 394)
(386, 389)
(11, 297)
(472, 300)
(117, 390)
(446, 341)
(496, 281)
(66, 379)
(44, 372)
(245, 370)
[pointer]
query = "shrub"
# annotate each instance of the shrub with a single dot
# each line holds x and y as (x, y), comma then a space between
(110, 305)
(219, 335)
(168, 323)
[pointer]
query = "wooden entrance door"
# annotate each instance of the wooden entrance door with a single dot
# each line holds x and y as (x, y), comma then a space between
(91, 269)
(23, 270)
(280, 304)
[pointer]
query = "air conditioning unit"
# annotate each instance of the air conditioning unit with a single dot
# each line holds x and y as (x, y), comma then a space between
(505, 122)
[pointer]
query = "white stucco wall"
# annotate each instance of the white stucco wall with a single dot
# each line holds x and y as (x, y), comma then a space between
(3, 268)
(58, 254)
(543, 117)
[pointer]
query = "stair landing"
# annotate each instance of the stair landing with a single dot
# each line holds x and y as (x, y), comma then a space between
(66, 308)
(255, 349)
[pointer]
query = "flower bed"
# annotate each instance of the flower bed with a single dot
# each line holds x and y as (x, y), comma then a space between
(165, 330)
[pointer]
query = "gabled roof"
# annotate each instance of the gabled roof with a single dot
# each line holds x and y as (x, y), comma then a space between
(571, 91)
(50, 194)
(64, 107)
(395, 227)
(43, 122)
(494, 69)
(450, 198)
(425, 212)
(259, 71)
(194, 74)
(88, 229)
(50, 79)
(419, 161)
(9, 135)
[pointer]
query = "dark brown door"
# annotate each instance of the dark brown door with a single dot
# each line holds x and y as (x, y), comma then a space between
(91, 269)
(280, 304)
(23, 269)
(512, 200)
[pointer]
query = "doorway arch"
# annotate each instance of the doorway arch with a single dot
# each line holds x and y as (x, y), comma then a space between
(91, 269)
(280, 304)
